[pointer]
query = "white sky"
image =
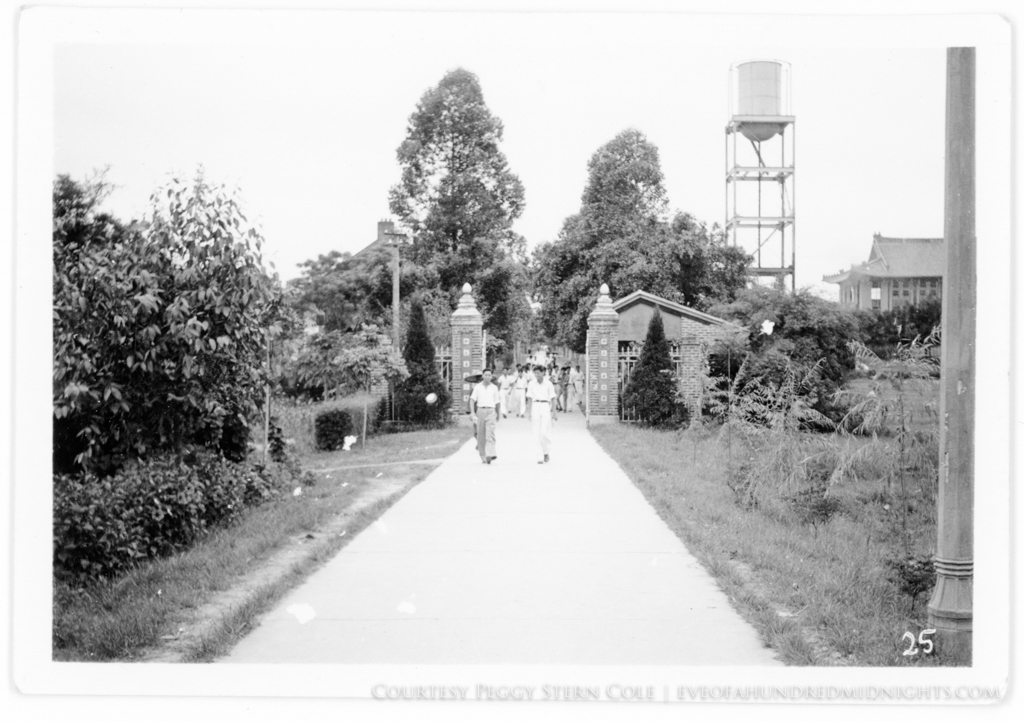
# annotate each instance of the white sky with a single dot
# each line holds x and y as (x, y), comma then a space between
(304, 113)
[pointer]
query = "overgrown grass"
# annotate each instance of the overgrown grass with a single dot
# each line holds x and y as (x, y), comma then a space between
(122, 619)
(297, 418)
(820, 594)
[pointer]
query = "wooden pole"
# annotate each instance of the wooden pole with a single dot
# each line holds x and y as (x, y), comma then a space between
(395, 284)
(266, 415)
(950, 611)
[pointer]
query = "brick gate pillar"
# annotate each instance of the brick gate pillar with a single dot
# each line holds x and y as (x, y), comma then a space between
(603, 360)
(467, 348)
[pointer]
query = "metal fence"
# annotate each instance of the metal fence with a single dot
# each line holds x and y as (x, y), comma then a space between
(629, 356)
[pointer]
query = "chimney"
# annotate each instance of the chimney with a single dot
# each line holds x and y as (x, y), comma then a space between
(384, 227)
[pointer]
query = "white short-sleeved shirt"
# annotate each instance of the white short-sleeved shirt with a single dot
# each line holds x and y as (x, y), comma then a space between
(542, 391)
(522, 382)
(486, 396)
(506, 381)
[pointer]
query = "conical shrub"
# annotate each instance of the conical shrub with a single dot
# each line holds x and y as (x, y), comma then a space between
(651, 390)
(411, 395)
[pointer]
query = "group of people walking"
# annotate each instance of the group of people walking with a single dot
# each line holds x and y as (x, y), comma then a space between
(537, 392)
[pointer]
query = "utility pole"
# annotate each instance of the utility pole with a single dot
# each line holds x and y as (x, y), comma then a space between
(396, 240)
(951, 609)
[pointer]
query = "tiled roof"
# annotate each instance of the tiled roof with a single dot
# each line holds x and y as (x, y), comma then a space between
(900, 258)
(641, 296)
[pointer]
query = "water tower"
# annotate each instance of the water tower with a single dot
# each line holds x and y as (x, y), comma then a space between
(760, 183)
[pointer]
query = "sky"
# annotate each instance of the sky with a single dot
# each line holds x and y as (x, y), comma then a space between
(304, 112)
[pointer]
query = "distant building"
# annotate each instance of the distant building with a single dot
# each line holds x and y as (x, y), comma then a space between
(384, 229)
(898, 272)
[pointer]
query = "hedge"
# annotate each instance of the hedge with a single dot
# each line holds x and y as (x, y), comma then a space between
(104, 526)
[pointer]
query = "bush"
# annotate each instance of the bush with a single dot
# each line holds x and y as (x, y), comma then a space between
(159, 329)
(331, 428)
(813, 330)
(103, 526)
(883, 331)
(809, 335)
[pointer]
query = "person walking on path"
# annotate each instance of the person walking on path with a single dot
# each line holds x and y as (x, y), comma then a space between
(522, 381)
(484, 407)
(574, 391)
(540, 398)
(505, 390)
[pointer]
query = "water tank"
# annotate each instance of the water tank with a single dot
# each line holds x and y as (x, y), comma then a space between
(760, 87)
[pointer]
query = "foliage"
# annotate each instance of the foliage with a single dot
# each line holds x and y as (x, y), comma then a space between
(331, 428)
(456, 185)
(316, 371)
(913, 574)
(149, 508)
(459, 199)
(278, 449)
(620, 237)
(814, 329)
(298, 418)
(410, 395)
(651, 390)
(885, 410)
(333, 286)
(807, 332)
(883, 331)
(344, 293)
(160, 332)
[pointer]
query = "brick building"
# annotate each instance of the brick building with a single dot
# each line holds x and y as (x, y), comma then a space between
(899, 271)
(688, 331)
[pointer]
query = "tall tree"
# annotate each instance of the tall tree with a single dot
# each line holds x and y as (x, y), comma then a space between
(620, 237)
(456, 185)
(459, 199)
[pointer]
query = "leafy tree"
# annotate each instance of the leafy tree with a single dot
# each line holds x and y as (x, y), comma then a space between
(883, 332)
(160, 332)
(807, 328)
(77, 219)
(366, 360)
(810, 339)
(620, 237)
(651, 390)
(411, 394)
(456, 186)
(459, 199)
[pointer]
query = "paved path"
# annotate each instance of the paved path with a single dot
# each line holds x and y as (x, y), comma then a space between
(512, 563)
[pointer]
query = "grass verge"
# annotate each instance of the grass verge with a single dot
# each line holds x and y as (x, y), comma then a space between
(817, 594)
(132, 617)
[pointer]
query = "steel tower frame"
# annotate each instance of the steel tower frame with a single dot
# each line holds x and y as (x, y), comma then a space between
(764, 235)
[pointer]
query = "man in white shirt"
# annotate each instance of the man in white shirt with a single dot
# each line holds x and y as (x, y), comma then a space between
(540, 398)
(484, 407)
(505, 388)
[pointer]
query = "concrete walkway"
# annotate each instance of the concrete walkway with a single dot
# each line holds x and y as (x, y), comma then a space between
(512, 563)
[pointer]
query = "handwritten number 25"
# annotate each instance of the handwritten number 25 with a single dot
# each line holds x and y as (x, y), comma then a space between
(922, 639)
